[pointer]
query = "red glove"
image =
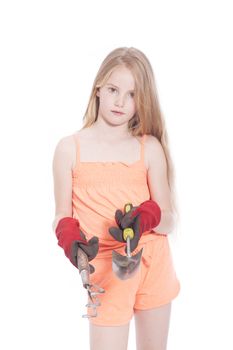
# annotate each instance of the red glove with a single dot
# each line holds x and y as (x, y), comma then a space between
(70, 237)
(149, 215)
(142, 218)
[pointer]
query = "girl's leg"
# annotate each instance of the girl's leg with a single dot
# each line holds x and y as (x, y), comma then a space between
(152, 327)
(105, 338)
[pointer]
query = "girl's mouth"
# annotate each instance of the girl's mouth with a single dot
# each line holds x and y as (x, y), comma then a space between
(117, 113)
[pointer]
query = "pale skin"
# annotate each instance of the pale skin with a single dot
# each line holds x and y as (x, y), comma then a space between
(106, 140)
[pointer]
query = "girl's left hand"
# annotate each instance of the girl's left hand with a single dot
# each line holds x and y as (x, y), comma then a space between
(142, 218)
(123, 221)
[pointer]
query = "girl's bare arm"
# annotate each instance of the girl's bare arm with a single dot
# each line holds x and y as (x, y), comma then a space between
(62, 176)
(158, 185)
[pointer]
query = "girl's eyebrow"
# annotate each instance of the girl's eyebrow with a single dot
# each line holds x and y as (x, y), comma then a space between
(116, 86)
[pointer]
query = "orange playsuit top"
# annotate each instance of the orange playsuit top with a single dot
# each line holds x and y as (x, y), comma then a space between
(100, 188)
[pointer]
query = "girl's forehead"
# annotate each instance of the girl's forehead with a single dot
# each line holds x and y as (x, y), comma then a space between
(121, 77)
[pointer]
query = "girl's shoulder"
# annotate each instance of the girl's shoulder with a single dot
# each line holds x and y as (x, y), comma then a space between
(66, 147)
(65, 151)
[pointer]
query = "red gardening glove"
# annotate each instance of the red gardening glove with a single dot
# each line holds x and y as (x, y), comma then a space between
(142, 218)
(149, 215)
(70, 238)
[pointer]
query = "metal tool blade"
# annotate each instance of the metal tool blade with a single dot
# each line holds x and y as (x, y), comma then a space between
(125, 267)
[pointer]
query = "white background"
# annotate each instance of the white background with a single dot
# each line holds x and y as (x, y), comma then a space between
(50, 54)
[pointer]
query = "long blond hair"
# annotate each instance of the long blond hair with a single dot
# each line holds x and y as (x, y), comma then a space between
(148, 118)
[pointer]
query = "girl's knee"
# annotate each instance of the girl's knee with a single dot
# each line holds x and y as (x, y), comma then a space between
(106, 337)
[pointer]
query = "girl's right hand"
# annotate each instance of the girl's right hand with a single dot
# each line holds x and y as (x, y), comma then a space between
(70, 237)
(91, 250)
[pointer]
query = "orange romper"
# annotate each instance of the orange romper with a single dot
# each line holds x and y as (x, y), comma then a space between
(99, 189)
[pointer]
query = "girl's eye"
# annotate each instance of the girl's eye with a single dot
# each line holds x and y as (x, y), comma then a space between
(112, 90)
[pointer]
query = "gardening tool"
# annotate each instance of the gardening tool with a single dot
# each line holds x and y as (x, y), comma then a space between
(92, 289)
(126, 266)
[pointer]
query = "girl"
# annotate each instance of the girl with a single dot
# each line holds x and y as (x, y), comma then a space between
(120, 156)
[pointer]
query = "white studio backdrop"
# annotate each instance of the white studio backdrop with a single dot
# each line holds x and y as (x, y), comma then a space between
(50, 54)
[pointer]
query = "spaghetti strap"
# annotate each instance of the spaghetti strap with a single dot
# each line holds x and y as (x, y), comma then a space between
(77, 150)
(76, 140)
(142, 155)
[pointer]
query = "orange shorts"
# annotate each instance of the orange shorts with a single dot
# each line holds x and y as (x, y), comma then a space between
(154, 284)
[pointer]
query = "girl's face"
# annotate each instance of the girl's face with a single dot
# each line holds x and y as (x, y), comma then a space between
(117, 95)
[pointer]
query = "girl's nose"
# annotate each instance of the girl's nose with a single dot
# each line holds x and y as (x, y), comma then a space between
(119, 101)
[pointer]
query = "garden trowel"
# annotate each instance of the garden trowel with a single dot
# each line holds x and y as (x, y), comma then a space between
(126, 266)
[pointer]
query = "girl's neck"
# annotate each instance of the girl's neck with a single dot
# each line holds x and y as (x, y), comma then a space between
(110, 133)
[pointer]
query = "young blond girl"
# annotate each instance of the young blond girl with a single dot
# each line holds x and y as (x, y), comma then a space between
(120, 156)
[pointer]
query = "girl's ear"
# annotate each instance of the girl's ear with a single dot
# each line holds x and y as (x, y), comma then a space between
(97, 92)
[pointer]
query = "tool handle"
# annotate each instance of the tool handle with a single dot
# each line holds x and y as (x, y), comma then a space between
(128, 207)
(83, 266)
(128, 232)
